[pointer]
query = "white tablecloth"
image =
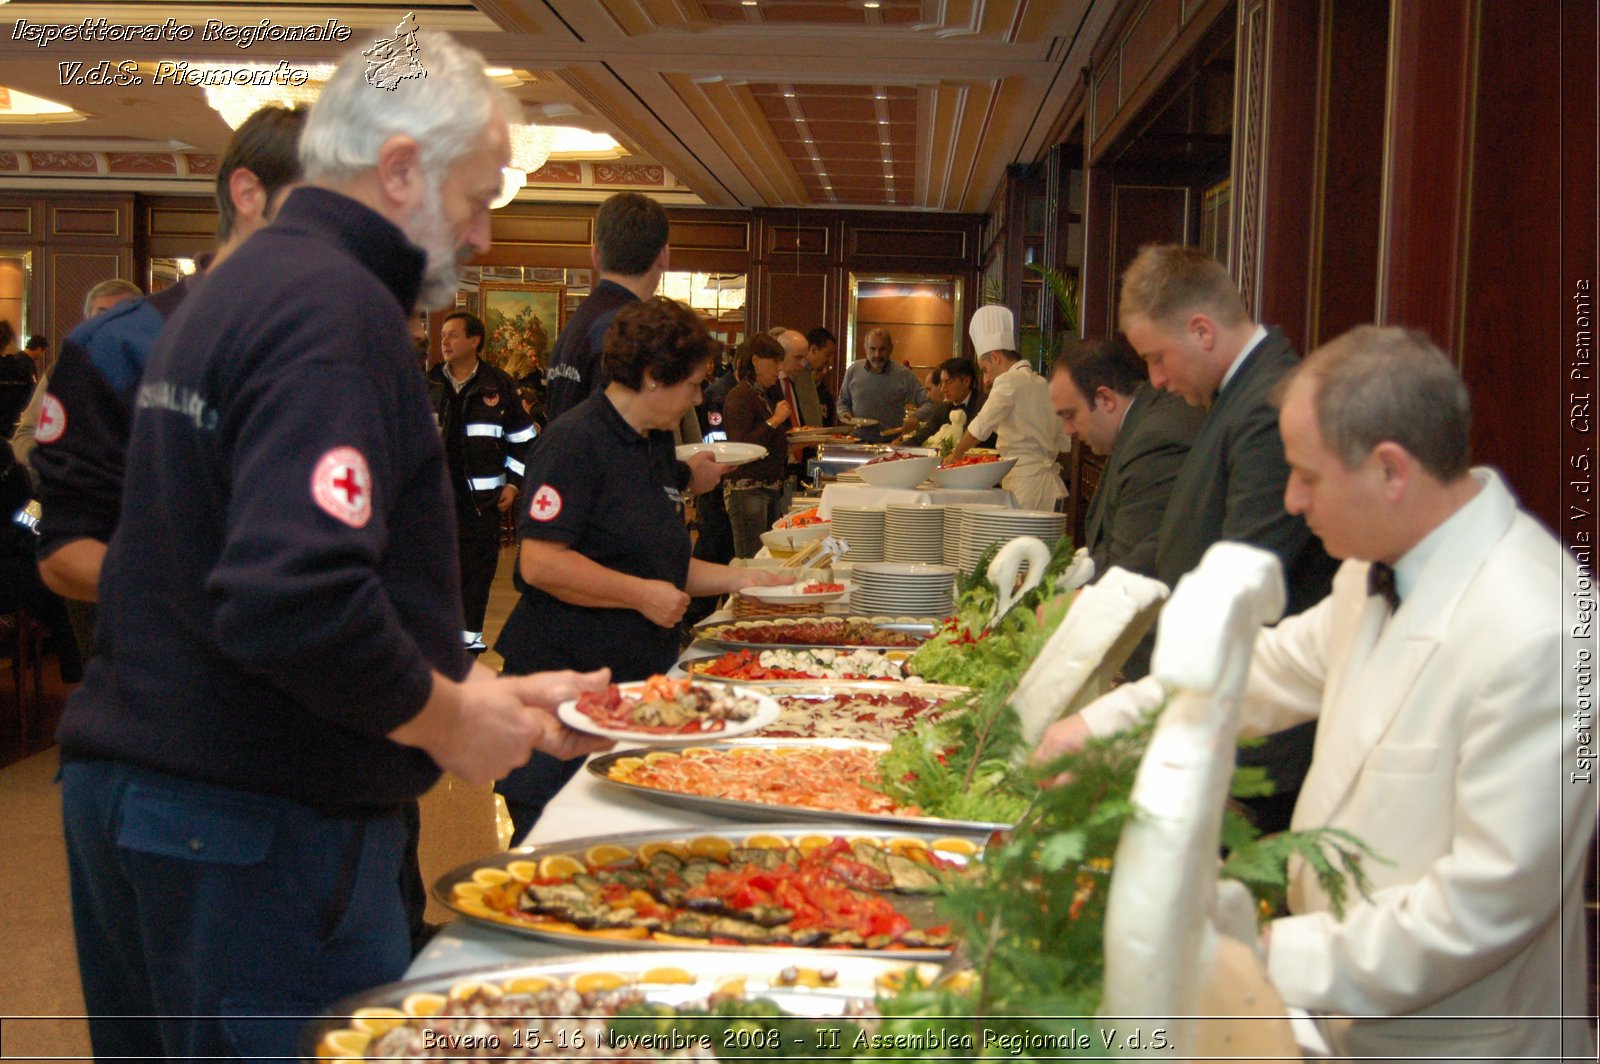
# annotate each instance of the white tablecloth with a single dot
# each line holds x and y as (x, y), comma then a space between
(869, 497)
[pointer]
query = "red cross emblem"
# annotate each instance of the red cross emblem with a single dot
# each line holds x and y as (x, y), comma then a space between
(546, 504)
(52, 420)
(491, 399)
(342, 486)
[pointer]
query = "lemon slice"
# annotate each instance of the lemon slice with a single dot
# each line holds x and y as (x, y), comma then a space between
(904, 846)
(954, 845)
(423, 1003)
(490, 877)
(865, 840)
(958, 982)
(476, 907)
(560, 866)
(473, 991)
(667, 975)
(746, 751)
(592, 982)
(733, 987)
(658, 755)
(623, 767)
(693, 751)
(807, 843)
(607, 854)
(523, 871)
(711, 847)
(767, 842)
(529, 984)
(468, 891)
(377, 1019)
(650, 849)
(891, 981)
(343, 1044)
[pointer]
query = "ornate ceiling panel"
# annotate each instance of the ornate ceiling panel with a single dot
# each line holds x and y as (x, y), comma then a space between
(893, 104)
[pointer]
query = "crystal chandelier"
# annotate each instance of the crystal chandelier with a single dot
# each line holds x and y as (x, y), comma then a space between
(530, 147)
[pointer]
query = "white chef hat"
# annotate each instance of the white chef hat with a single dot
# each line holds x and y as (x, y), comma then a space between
(991, 330)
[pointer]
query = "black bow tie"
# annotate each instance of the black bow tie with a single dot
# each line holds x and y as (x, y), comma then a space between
(1380, 581)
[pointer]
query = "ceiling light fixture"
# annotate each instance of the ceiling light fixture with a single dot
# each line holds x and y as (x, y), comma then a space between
(530, 148)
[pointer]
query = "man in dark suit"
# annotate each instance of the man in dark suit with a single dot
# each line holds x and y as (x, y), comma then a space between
(958, 390)
(1100, 392)
(1182, 313)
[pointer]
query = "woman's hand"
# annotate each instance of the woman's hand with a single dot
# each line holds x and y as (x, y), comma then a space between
(781, 413)
(762, 578)
(662, 604)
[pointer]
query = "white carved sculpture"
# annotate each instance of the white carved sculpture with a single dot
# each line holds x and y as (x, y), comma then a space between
(1164, 925)
(1077, 664)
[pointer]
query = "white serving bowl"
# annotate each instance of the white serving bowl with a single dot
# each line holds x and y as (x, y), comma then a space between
(904, 473)
(974, 477)
(783, 542)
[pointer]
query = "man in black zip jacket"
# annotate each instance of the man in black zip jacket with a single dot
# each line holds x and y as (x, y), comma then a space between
(486, 436)
(281, 671)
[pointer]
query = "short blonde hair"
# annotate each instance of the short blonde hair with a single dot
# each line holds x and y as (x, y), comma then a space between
(1166, 282)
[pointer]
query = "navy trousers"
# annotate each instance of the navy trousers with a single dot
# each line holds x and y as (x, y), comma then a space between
(212, 922)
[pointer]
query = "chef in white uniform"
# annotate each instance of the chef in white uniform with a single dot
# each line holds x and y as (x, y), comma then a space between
(1018, 413)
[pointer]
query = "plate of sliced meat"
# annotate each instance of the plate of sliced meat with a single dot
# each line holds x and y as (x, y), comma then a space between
(665, 710)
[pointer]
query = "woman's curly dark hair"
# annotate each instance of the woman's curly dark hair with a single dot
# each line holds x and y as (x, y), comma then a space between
(660, 335)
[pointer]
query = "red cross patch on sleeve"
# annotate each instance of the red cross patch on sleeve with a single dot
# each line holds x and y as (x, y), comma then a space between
(546, 504)
(52, 420)
(342, 486)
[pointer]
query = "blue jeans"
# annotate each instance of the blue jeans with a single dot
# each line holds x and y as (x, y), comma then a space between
(212, 922)
(751, 511)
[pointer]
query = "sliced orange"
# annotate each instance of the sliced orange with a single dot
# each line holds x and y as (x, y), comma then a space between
(954, 845)
(807, 843)
(607, 854)
(560, 866)
(591, 982)
(767, 842)
(650, 849)
(376, 1019)
(423, 1003)
(710, 847)
(529, 984)
(667, 975)
(343, 1044)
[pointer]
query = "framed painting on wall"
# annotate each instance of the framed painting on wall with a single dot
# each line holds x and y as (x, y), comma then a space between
(521, 322)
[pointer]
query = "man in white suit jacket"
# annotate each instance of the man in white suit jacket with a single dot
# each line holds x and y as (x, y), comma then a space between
(1448, 737)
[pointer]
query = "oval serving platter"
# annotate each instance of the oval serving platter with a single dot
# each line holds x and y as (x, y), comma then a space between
(719, 632)
(488, 891)
(503, 1001)
(616, 767)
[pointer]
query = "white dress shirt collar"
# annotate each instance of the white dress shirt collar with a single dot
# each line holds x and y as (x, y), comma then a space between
(1255, 338)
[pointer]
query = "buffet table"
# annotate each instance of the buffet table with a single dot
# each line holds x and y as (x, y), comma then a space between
(867, 497)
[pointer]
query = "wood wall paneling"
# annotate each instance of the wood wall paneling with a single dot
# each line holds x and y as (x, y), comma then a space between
(99, 223)
(18, 221)
(1146, 214)
(1515, 309)
(798, 300)
(177, 226)
(1580, 273)
(1343, 285)
(71, 272)
(699, 234)
(797, 240)
(1100, 264)
(1288, 168)
(871, 242)
(1421, 257)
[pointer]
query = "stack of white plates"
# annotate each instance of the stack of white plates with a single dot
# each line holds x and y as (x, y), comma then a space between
(981, 528)
(862, 529)
(954, 521)
(913, 533)
(903, 587)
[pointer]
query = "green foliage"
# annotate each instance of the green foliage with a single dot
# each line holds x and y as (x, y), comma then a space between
(1065, 290)
(1262, 864)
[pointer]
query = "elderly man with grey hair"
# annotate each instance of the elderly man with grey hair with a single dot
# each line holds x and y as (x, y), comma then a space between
(1445, 669)
(878, 389)
(282, 670)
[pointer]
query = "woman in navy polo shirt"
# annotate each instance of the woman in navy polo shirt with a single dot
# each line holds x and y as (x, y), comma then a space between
(605, 569)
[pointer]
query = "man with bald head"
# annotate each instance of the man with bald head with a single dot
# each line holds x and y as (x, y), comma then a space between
(879, 388)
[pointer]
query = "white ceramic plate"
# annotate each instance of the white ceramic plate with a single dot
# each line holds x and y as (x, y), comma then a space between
(726, 453)
(792, 592)
(767, 711)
